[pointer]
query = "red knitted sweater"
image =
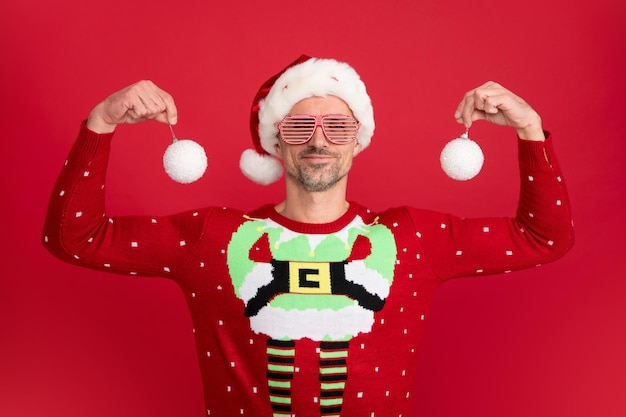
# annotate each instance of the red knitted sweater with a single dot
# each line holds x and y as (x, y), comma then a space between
(306, 319)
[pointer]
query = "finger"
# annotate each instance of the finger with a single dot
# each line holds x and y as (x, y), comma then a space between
(153, 106)
(160, 104)
(468, 108)
(486, 100)
(491, 96)
(489, 104)
(136, 110)
(460, 115)
(146, 101)
(499, 101)
(170, 115)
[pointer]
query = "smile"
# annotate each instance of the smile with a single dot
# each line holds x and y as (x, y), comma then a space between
(322, 154)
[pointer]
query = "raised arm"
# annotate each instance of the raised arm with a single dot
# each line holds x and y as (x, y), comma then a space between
(79, 230)
(541, 229)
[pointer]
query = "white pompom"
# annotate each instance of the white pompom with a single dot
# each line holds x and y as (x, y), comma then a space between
(262, 169)
(185, 161)
(461, 158)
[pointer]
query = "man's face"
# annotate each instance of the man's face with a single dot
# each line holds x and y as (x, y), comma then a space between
(318, 164)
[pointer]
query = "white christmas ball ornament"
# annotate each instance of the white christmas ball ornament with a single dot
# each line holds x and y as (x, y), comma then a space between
(461, 158)
(185, 161)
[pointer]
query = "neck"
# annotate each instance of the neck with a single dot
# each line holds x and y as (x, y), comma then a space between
(314, 207)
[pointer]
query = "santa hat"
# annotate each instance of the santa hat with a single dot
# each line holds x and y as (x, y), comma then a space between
(303, 78)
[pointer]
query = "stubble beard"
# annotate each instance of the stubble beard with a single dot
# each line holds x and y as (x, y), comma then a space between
(317, 177)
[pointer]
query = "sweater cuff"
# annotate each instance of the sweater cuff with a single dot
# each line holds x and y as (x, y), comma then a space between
(536, 154)
(89, 142)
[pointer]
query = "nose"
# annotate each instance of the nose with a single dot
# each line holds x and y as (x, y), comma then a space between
(318, 140)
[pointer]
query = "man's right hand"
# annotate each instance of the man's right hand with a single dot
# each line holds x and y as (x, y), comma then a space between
(133, 104)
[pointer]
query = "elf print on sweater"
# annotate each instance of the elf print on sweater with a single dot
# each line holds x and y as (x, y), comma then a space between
(322, 287)
(306, 320)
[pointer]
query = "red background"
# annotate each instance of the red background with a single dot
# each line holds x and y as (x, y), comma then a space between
(544, 342)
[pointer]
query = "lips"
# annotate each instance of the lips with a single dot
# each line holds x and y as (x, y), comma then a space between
(322, 155)
(318, 157)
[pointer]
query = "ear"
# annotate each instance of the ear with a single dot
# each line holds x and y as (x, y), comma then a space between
(357, 149)
(278, 150)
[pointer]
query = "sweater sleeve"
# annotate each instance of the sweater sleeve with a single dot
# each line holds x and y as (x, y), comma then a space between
(78, 230)
(541, 231)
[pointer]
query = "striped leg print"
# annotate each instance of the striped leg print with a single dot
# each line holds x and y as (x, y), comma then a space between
(333, 376)
(280, 370)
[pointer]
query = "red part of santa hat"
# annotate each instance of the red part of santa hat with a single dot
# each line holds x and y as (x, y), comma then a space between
(303, 78)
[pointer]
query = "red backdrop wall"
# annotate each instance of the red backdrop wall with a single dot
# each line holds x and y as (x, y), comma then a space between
(543, 342)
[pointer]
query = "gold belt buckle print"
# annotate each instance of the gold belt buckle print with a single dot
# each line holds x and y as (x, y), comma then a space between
(309, 278)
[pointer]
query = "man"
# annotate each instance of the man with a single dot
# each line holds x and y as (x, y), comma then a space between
(313, 306)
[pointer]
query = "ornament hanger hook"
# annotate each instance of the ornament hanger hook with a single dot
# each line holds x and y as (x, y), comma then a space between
(174, 138)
